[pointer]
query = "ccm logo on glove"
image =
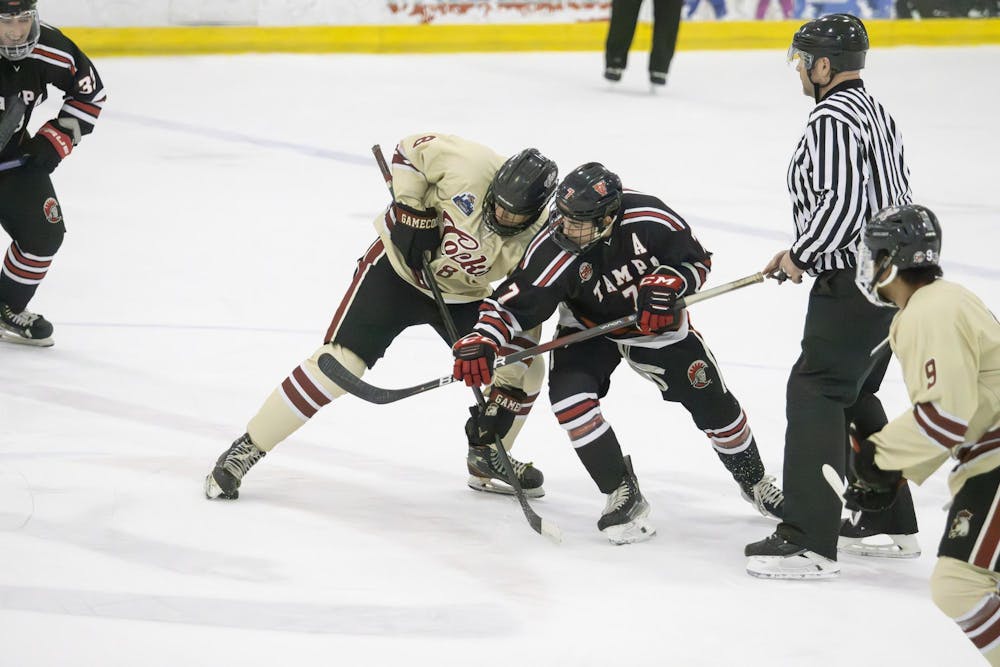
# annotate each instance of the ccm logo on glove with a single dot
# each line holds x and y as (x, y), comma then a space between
(656, 303)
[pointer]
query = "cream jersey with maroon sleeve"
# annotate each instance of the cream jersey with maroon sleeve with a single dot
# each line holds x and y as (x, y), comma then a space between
(452, 175)
(948, 343)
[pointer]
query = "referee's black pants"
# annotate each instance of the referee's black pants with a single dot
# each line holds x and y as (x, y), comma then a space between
(625, 17)
(834, 380)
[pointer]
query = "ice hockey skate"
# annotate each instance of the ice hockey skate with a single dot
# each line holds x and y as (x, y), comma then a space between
(624, 520)
(657, 82)
(486, 473)
(613, 74)
(24, 328)
(224, 480)
(765, 497)
(860, 540)
(776, 558)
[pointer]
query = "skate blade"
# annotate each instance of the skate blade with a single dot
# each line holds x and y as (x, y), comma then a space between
(792, 567)
(8, 337)
(638, 530)
(214, 492)
(488, 485)
(901, 546)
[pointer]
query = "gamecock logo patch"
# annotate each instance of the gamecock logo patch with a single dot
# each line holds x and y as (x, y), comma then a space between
(52, 212)
(697, 375)
(960, 526)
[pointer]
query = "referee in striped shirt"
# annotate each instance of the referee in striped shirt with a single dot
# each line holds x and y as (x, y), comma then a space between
(848, 165)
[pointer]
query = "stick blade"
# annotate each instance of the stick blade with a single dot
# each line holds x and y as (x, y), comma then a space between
(551, 531)
(834, 480)
(350, 382)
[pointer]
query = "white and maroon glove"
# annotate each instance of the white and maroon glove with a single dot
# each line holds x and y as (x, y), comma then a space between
(656, 303)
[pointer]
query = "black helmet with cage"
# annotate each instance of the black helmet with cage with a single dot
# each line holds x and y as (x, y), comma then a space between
(898, 238)
(840, 37)
(589, 195)
(19, 28)
(523, 187)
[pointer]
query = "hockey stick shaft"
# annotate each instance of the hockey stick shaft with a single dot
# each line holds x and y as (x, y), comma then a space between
(538, 524)
(352, 384)
(14, 110)
(628, 320)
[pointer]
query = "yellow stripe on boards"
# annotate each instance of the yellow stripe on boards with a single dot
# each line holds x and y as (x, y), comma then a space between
(449, 38)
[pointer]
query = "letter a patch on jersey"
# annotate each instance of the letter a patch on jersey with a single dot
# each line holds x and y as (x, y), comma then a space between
(637, 246)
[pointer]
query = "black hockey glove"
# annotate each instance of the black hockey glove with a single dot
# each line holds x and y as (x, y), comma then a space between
(414, 233)
(873, 489)
(47, 148)
(496, 420)
(656, 308)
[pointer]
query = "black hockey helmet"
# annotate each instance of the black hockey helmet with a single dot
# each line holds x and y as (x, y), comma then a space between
(14, 13)
(900, 237)
(840, 37)
(588, 195)
(522, 187)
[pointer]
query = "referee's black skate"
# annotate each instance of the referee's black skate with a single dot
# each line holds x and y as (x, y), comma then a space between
(25, 328)
(624, 520)
(224, 480)
(486, 473)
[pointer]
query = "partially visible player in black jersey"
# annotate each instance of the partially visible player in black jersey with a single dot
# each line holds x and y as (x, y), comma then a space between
(609, 253)
(33, 56)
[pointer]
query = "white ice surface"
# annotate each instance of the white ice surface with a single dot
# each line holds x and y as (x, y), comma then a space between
(215, 217)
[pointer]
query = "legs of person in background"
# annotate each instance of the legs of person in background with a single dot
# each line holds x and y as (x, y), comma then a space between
(666, 24)
(621, 30)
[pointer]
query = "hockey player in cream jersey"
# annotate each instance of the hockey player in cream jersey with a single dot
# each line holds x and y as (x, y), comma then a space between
(475, 213)
(948, 344)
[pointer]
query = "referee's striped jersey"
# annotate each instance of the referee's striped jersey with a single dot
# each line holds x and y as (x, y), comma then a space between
(848, 166)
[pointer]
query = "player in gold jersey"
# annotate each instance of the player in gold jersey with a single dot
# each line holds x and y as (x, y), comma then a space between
(948, 344)
(475, 213)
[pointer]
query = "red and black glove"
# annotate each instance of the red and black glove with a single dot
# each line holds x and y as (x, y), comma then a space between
(48, 147)
(656, 303)
(474, 357)
(414, 233)
(873, 489)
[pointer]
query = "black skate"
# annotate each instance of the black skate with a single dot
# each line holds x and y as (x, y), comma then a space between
(624, 519)
(224, 480)
(486, 473)
(613, 74)
(765, 496)
(870, 539)
(25, 328)
(774, 557)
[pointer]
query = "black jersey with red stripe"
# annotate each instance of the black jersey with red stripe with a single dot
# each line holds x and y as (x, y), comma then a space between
(600, 284)
(55, 61)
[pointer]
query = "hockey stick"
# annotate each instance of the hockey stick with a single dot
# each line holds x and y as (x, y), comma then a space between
(540, 525)
(15, 109)
(12, 164)
(837, 484)
(352, 384)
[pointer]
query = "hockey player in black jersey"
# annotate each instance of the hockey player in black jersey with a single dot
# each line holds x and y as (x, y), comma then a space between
(606, 254)
(33, 56)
